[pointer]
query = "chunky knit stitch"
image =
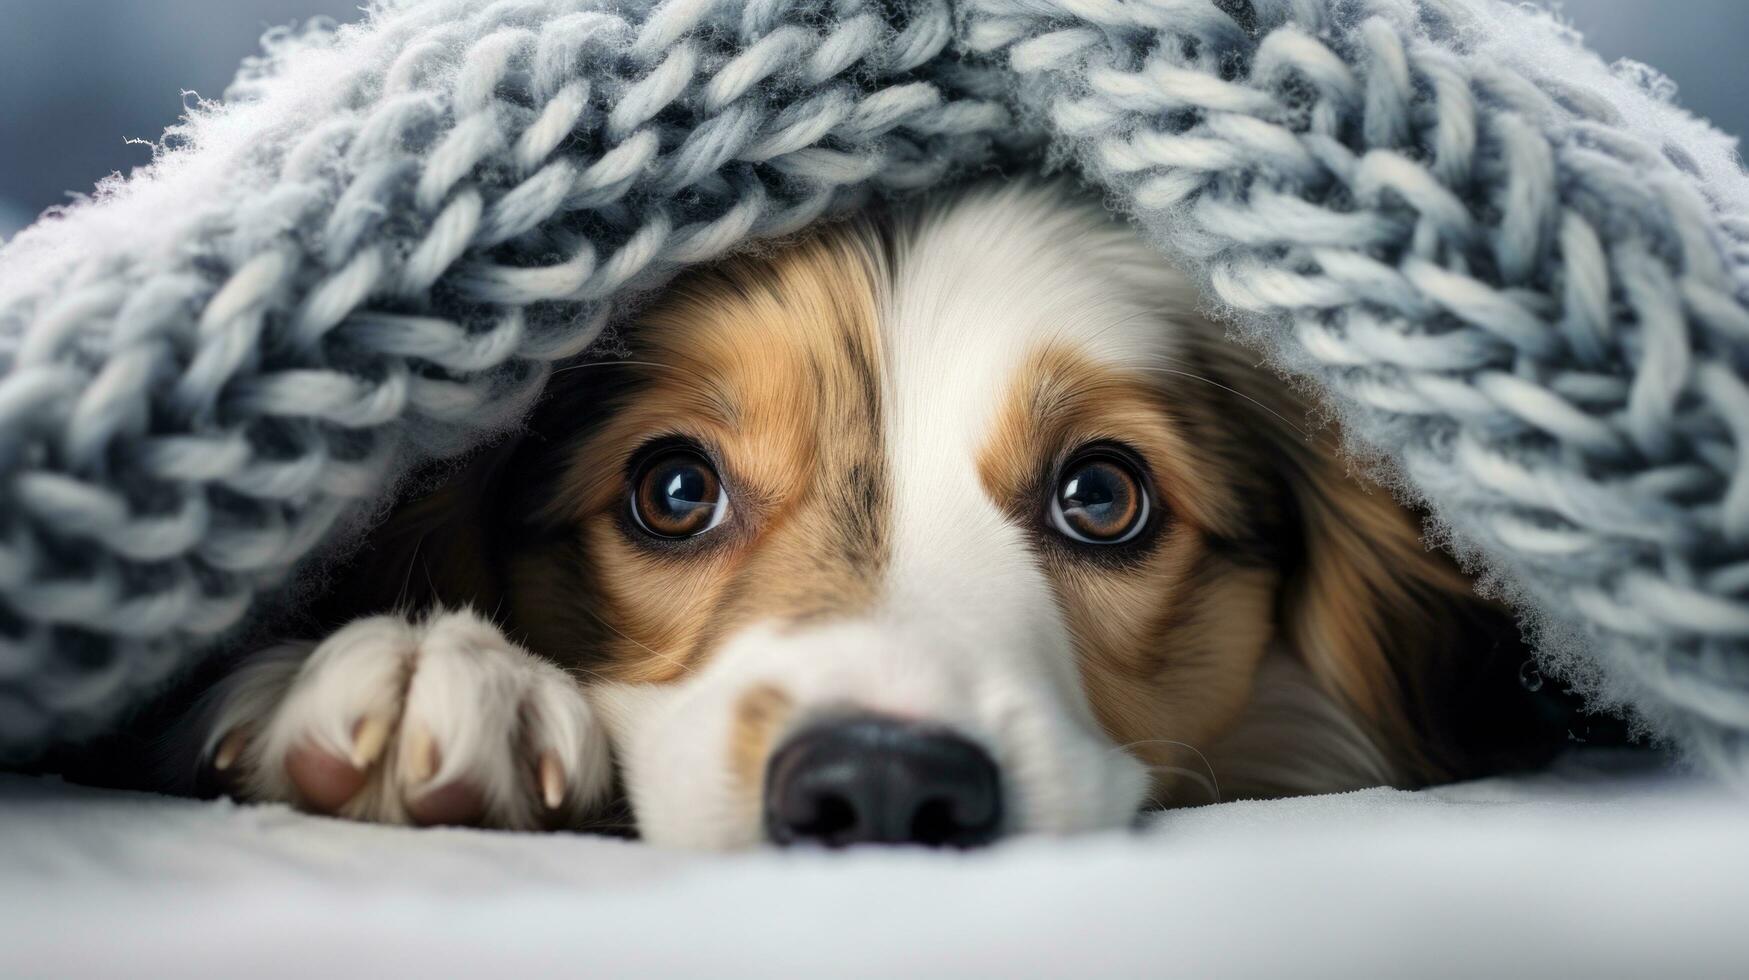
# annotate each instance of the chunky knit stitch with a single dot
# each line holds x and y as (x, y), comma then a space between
(1520, 280)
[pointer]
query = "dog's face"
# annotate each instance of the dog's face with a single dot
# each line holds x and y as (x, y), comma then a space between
(941, 529)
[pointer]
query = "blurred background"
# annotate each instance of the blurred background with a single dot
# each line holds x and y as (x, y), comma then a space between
(79, 78)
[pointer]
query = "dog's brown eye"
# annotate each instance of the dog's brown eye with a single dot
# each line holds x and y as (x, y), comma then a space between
(1099, 499)
(677, 495)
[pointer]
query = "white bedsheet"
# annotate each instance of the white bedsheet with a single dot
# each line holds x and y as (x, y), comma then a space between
(1596, 868)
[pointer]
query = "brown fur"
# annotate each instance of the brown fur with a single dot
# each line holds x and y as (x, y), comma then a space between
(759, 715)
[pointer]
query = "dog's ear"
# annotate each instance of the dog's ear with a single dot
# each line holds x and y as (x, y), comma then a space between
(1387, 623)
(1381, 619)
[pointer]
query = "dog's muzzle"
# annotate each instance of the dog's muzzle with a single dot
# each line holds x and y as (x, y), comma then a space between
(870, 780)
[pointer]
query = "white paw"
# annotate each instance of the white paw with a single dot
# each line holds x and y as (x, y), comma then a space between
(434, 721)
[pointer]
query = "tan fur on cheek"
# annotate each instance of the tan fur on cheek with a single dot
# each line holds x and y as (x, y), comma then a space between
(1167, 678)
(1167, 639)
(759, 715)
(770, 365)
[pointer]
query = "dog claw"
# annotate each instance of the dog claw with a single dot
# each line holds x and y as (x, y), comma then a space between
(422, 760)
(552, 780)
(229, 750)
(369, 737)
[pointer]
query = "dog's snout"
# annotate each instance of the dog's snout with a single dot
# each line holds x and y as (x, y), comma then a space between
(880, 781)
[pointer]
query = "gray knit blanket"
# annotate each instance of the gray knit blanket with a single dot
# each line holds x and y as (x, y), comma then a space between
(1519, 277)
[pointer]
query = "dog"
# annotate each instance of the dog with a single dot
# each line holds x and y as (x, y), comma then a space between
(945, 523)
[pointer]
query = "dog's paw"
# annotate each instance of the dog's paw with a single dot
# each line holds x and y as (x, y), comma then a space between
(434, 721)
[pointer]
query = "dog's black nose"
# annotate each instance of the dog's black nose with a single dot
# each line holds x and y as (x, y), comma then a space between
(878, 781)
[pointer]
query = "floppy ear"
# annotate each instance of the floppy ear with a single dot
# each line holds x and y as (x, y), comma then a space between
(1386, 623)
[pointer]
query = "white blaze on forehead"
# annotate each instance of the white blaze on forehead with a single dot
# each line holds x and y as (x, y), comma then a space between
(981, 284)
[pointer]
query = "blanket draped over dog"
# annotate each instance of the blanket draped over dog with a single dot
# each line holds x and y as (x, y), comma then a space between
(1519, 277)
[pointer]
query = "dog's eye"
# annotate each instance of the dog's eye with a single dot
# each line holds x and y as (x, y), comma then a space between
(1099, 499)
(677, 494)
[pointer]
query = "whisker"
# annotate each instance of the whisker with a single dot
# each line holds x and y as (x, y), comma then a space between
(426, 566)
(665, 658)
(1290, 423)
(584, 672)
(591, 364)
(1208, 785)
(1152, 802)
(1214, 781)
(407, 580)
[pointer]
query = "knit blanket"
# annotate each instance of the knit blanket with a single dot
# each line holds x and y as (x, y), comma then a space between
(1519, 277)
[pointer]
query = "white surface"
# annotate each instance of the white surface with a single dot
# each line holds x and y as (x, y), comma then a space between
(1580, 871)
